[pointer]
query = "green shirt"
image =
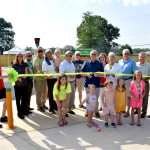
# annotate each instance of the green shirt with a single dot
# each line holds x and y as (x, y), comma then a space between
(62, 93)
(38, 62)
(30, 66)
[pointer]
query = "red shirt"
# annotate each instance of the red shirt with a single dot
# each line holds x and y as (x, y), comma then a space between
(103, 79)
(1, 80)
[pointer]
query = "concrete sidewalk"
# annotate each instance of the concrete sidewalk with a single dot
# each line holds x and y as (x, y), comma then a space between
(41, 131)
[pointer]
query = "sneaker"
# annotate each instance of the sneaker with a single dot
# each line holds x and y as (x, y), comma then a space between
(65, 122)
(25, 113)
(60, 123)
(143, 115)
(45, 107)
(106, 125)
(148, 116)
(113, 125)
(41, 109)
(97, 115)
(4, 119)
(1, 125)
(126, 114)
(71, 112)
(31, 108)
(82, 106)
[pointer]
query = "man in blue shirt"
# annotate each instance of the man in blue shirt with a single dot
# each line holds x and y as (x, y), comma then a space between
(93, 65)
(128, 66)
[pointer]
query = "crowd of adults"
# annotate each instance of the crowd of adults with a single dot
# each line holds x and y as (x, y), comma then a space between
(45, 64)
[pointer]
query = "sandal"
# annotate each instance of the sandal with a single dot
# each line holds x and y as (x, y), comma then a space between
(92, 122)
(132, 124)
(65, 122)
(138, 124)
(60, 123)
(119, 123)
(89, 125)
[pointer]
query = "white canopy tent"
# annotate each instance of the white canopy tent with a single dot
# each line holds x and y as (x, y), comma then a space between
(14, 50)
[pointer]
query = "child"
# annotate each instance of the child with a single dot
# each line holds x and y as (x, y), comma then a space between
(137, 91)
(109, 103)
(3, 95)
(121, 97)
(90, 104)
(61, 91)
(57, 59)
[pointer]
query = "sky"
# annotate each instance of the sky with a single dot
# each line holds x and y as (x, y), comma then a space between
(55, 21)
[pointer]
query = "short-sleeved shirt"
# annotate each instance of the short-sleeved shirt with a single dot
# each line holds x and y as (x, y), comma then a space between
(62, 93)
(67, 67)
(1, 80)
(144, 68)
(128, 67)
(78, 66)
(30, 66)
(89, 66)
(21, 70)
(38, 62)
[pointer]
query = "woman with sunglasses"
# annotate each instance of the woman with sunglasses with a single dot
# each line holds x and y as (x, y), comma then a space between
(21, 86)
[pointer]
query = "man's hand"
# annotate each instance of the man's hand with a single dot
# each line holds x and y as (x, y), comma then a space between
(89, 76)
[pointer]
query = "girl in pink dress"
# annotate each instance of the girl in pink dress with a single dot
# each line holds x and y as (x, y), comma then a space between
(137, 91)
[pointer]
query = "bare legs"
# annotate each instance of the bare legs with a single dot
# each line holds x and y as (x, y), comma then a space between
(90, 115)
(4, 109)
(139, 115)
(119, 116)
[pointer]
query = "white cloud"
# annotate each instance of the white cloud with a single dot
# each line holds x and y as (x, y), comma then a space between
(135, 2)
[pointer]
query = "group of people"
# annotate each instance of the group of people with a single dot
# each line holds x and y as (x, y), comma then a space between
(109, 91)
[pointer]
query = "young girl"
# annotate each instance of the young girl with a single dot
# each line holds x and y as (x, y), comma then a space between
(57, 59)
(137, 91)
(121, 97)
(109, 103)
(3, 95)
(61, 91)
(90, 104)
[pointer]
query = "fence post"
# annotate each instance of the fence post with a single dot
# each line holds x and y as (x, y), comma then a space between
(9, 108)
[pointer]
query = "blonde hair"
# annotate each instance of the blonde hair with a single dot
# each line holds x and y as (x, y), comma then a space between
(134, 75)
(91, 86)
(16, 59)
(57, 50)
(123, 86)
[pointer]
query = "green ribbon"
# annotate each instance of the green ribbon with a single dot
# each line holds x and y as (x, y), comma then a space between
(15, 74)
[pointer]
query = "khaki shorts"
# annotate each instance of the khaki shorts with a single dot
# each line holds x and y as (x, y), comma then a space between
(80, 84)
(127, 84)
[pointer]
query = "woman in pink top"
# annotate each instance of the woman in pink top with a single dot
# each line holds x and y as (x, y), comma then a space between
(137, 91)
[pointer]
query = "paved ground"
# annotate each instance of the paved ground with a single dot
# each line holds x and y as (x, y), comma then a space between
(41, 131)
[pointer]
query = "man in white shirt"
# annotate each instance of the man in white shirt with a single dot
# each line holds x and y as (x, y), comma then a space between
(68, 67)
(144, 67)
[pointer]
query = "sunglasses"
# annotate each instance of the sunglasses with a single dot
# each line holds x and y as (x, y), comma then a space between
(40, 51)
(93, 54)
(20, 56)
(69, 55)
(126, 53)
(29, 55)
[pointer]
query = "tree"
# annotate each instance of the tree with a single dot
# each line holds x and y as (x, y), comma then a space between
(126, 46)
(95, 32)
(68, 48)
(6, 35)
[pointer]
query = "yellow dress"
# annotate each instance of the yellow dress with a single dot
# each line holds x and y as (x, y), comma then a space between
(120, 100)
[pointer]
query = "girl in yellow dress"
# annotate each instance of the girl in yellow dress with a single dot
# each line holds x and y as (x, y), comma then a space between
(121, 97)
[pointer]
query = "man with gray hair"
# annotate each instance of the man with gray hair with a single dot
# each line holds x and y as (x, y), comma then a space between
(128, 66)
(28, 60)
(93, 65)
(40, 82)
(68, 67)
(144, 67)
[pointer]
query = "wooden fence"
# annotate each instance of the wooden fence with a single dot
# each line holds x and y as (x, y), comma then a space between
(6, 60)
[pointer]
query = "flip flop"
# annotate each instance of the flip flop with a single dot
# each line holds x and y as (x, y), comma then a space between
(60, 123)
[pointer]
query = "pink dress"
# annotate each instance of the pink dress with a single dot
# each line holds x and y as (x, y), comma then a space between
(134, 103)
